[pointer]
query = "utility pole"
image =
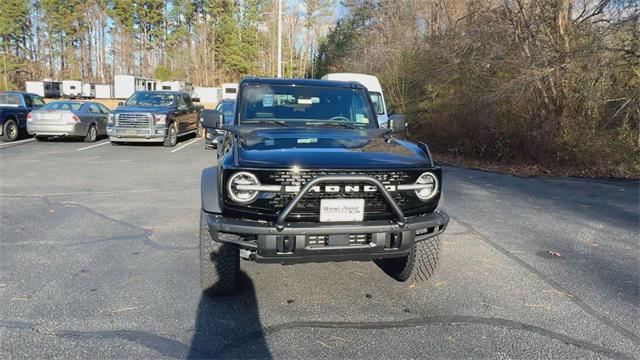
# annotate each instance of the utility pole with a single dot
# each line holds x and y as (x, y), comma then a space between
(279, 38)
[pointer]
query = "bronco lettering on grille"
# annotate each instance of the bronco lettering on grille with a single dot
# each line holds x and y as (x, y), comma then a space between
(337, 188)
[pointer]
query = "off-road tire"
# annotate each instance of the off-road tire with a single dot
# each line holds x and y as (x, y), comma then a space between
(92, 134)
(11, 132)
(418, 266)
(172, 136)
(219, 264)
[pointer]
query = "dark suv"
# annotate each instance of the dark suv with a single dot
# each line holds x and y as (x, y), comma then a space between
(305, 175)
(153, 116)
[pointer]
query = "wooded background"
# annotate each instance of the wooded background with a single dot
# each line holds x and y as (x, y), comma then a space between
(203, 41)
(550, 82)
(547, 82)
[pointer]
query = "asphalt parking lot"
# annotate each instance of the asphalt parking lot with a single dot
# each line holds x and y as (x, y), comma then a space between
(99, 259)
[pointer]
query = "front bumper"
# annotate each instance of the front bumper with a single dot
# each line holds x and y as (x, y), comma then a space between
(57, 129)
(137, 134)
(294, 243)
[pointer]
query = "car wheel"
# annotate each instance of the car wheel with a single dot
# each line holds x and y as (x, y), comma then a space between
(418, 266)
(219, 263)
(92, 134)
(41, 138)
(172, 136)
(10, 131)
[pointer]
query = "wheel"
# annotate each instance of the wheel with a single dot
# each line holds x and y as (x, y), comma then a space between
(219, 263)
(172, 137)
(10, 131)
(41, 138)
(92, 134)
(418, 266)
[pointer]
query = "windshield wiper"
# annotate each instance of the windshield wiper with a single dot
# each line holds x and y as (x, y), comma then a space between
(332, 123)
(265, 121)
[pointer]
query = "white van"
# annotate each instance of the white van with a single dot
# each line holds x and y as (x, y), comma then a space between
(71, 88)
(373, 86)
(230, 91)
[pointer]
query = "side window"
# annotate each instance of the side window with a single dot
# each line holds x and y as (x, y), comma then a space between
(187, 100)
(104, 108)
(37, 101)
(27, 101)
(181, 102)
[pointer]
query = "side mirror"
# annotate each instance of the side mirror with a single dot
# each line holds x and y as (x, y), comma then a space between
(211, 119)
(398, 123)
(120, 103)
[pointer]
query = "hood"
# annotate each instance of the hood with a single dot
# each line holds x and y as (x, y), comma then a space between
(327, 148)
(146, 109)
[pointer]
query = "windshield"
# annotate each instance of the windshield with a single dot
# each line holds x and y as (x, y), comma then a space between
(62, 105)
(8, 99)
(306, 105)
(151, 99)
(228, 109)
(376, 99)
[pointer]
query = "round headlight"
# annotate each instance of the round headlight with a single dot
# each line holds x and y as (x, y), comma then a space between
(236, 184)
(431, 186)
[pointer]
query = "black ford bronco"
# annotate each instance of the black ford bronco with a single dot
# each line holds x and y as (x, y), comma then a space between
(304, 174)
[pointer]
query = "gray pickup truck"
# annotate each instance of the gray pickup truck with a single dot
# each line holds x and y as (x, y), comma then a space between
(153, 116)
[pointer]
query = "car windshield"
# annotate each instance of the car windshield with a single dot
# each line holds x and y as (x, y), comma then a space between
(9, 99)
(376, 99)
(151, 99)
(62, 105)
(306, 105)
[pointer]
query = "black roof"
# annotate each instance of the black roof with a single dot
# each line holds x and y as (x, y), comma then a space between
(303, 82)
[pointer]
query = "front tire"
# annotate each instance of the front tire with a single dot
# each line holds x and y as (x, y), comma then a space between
(92, 134)
(418, 266)
(10, 131)
(172, 136)
(219, 263)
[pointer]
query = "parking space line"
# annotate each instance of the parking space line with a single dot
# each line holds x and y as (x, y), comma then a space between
(92, 146)
(10, 144)
(185, 145)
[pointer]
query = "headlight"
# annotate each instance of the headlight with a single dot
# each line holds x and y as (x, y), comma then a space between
(159, 119)
(237, 187)
(430, 189)
(110, 119)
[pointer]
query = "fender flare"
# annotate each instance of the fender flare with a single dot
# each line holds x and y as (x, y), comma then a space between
(210, 190)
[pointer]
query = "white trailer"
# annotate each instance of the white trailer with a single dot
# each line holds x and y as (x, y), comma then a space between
(207, 95)
(48, 88)
(104, 91)
(88, 90)
(177, 86)
(71, 88)
(125, 85)
(230, 91)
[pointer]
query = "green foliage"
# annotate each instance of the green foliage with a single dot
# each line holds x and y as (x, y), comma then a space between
(162, 73)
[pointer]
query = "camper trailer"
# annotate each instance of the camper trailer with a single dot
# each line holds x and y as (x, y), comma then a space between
(48, 88)
(71, 88)
(208, 95)
(229, 91)
(182, 86)
(88, 90)
(125, 85)
(104, 91)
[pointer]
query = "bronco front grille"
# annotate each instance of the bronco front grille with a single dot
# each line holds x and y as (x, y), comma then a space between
(374, 202)
(134, 120)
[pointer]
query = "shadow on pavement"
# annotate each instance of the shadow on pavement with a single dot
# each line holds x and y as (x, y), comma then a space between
(229, 327)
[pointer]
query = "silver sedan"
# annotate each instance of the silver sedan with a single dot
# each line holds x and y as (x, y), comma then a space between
(69, 118)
